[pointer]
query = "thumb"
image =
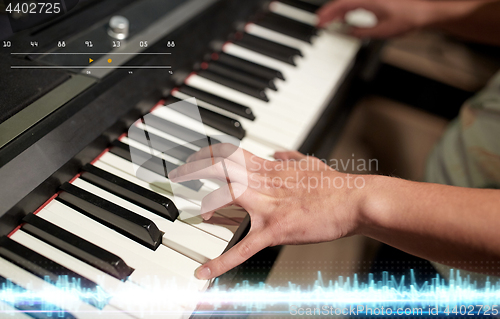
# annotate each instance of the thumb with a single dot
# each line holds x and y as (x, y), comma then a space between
(246, 248)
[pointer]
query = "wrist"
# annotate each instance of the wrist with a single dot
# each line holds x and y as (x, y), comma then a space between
(376, 204)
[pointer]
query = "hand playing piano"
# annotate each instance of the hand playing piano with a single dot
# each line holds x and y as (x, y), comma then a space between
(296, 199)
(395, 17)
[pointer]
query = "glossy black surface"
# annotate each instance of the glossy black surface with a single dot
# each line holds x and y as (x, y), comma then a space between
(250, 67)
(44, 268)
(218, 121)
(288, 27)
(272, 49)
(238, 109)
(130, 224)
(76, 247)
(156, 203)
(150, 162)
(161, 144)
(258, 93)
(242, 76)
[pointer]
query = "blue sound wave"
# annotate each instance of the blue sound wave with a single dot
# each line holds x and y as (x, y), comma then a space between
(343, 295)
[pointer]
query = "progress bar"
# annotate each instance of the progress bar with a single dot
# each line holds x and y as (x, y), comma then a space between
(87, 67)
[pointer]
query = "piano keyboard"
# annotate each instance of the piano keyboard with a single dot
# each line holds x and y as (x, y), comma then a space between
(124, 235)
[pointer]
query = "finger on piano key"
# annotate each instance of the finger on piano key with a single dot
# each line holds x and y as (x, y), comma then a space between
(128, 223)
(62, 299)
(189, 212)
(145, 159)
(252, 146)
(154, 178)
(160, 205)
(240, 75)
(225, 124)
(48, 270)
(294, 13)
(164, 265)
(252, 68)
(179, 189)
(187, 240)
(76, 246)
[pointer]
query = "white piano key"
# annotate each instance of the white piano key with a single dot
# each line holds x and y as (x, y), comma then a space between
(294, 13)
(254, 147)
(208, 184)
(266, 112)
(188, 212)
(285, 124)
(256, 128)
(181, 237)
(153, 178)
(9, 312)
(122, 293)
(164, 265)
(54, 295)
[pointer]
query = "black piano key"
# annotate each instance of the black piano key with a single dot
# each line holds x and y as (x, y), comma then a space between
(37, 309)
(152, 163)
(302, 5)
(236, 85)
(76, 247)
(247, 66)
(241, 76)
(220, 122)
(156, 203)
(168, 147)
(287, 27)
(272, 49)
(177, 130)
(130, 224)
(224, 104)
(47, 269)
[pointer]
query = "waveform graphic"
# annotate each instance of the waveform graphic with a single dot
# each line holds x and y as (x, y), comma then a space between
(345, 294)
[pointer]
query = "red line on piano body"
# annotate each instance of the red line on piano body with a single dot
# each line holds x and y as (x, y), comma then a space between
(35, 212)
(159, 104)
(99, 156)
(73, 179)
(190, 75)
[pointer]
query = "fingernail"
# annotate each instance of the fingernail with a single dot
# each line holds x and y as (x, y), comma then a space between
(203, 272)
(173, 174)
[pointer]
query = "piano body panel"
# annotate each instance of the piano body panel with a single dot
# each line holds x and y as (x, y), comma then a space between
(35, 164)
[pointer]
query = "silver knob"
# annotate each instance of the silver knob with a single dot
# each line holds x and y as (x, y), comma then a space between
(118, 27)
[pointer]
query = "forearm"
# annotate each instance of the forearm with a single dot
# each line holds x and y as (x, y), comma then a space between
(448, 224)
(475, 20)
